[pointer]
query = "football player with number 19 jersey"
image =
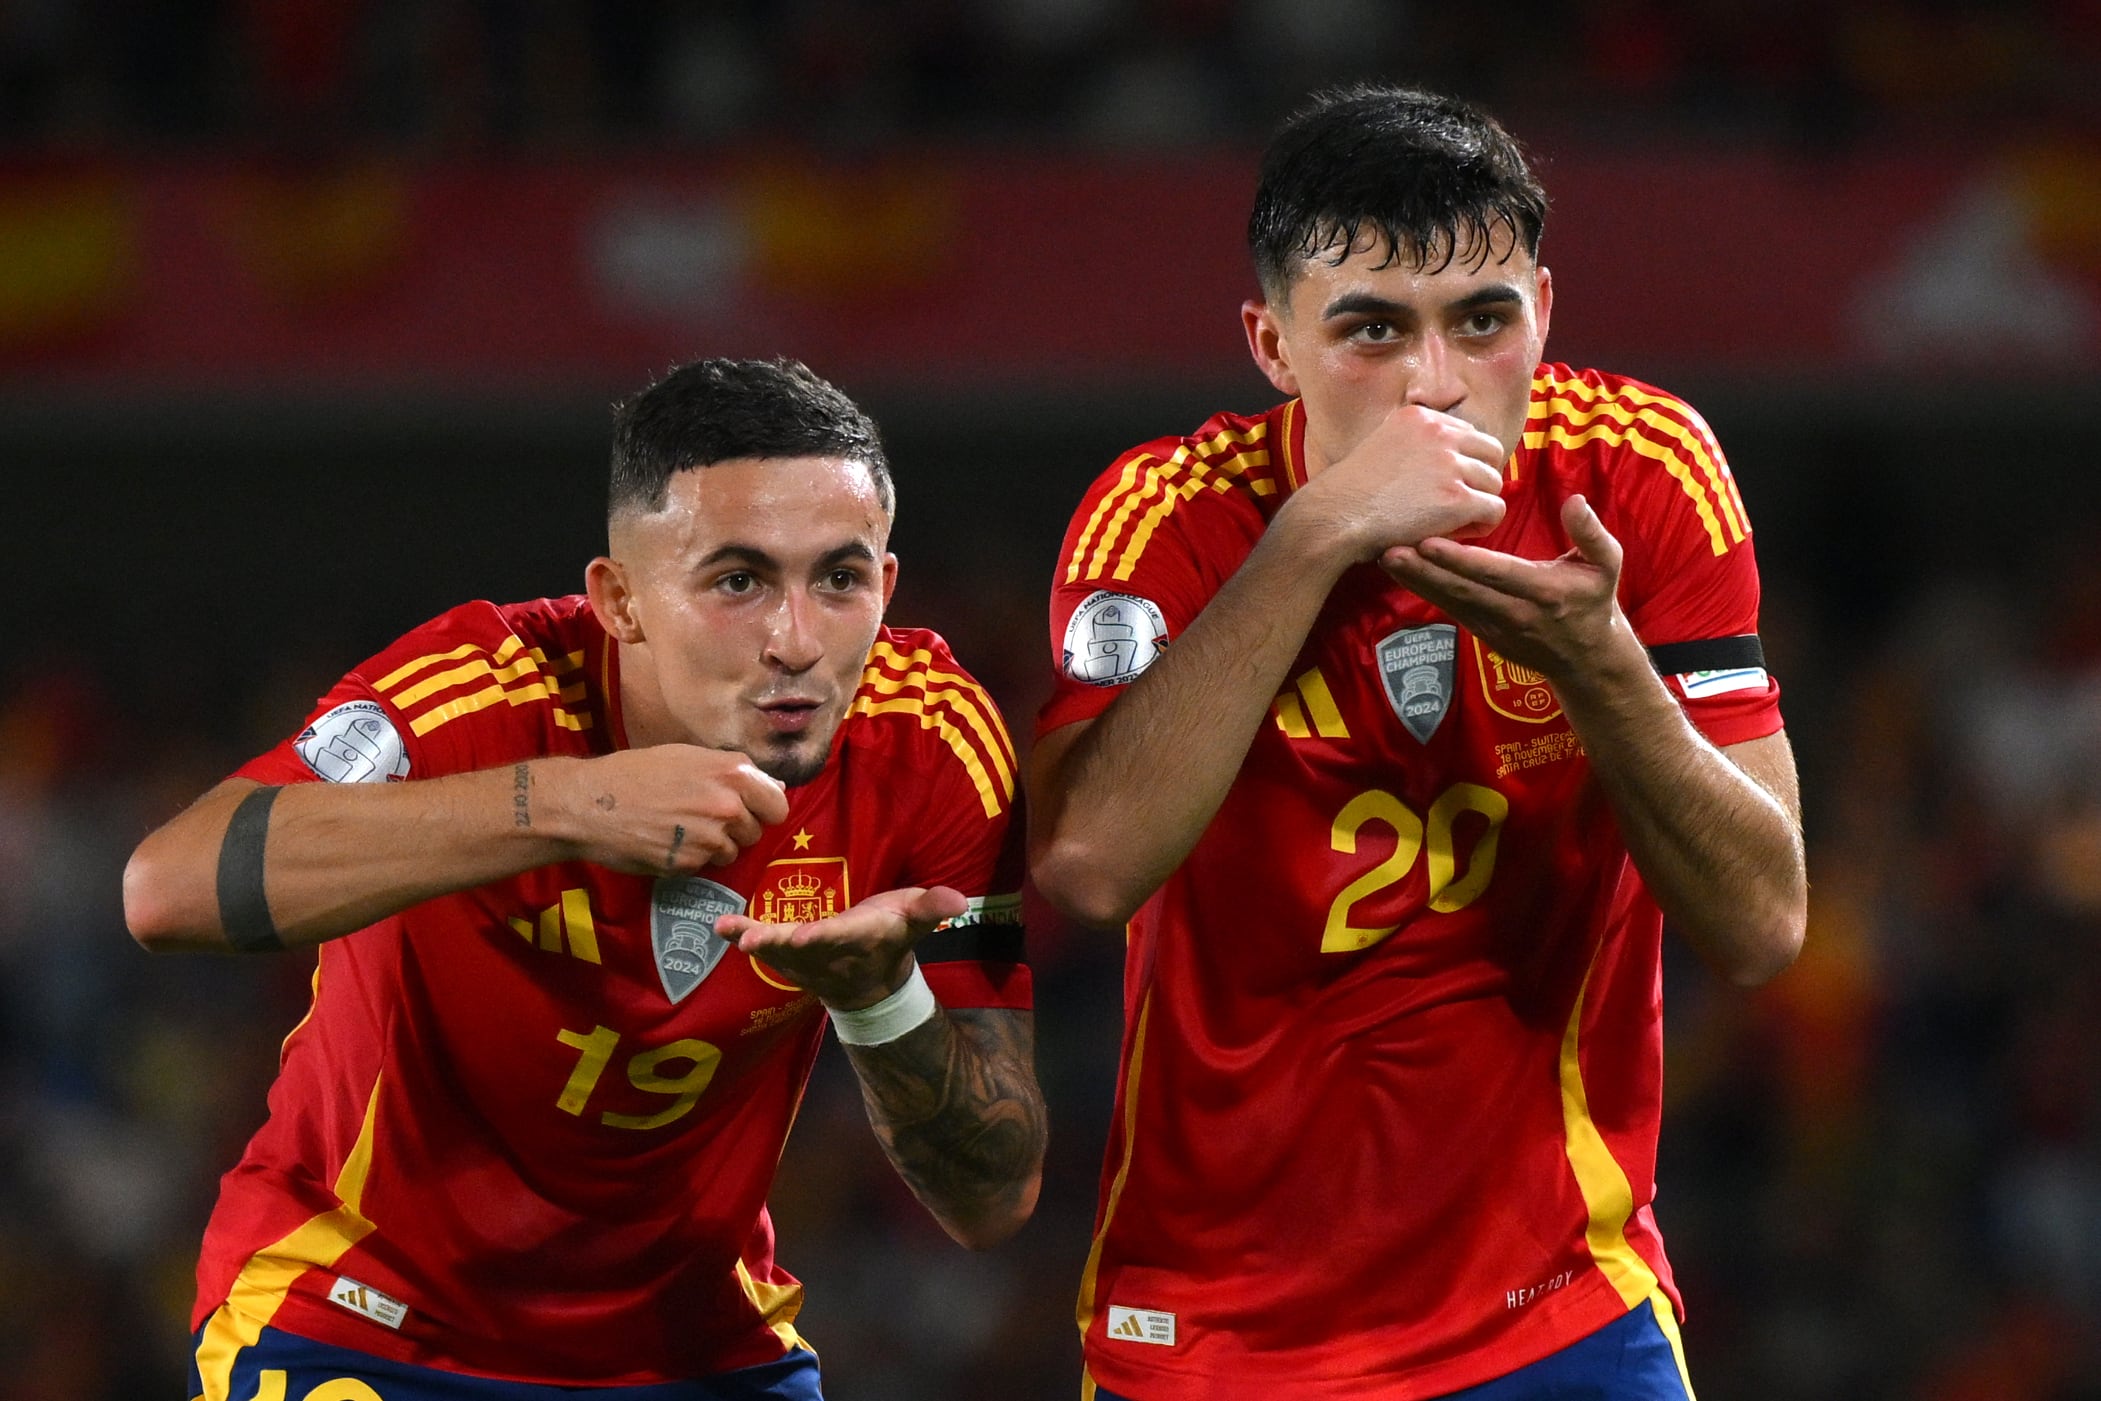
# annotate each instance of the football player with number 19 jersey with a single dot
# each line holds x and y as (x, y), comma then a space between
(603, 869)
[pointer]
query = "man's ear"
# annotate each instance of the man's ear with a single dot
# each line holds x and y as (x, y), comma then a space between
(1546, 303)
(889, 579)
(1265, 341)
(606, 585)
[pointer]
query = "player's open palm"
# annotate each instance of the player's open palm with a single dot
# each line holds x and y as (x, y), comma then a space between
(1418, 474)
(1548, 615)
(855, 958)
(669, 809)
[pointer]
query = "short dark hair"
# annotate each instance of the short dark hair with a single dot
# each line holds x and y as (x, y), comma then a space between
(716, 410)
(1428, 176)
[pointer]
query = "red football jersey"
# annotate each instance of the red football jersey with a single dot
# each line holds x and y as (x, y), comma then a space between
(1391, 1063)
(527, 1130)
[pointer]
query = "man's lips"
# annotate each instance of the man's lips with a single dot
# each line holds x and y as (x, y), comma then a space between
(790, 716)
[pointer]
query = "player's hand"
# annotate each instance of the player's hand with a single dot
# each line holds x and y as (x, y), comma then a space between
(1419, 474)
(670, 809)
(857, 957)
(1551, 616)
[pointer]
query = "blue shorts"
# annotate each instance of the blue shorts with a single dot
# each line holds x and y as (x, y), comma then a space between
(1629, 1359)
(282, 1366)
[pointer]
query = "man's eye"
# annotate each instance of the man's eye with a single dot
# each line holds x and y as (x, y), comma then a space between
(739, 582)
(843, 580)
(1483, 323)
(1375, 332)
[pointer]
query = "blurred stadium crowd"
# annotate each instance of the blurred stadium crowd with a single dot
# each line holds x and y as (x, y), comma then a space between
(573, 73)
(1881, 1175)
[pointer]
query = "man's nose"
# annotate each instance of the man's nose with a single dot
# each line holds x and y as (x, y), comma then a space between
(1435, 382)
(792, 642)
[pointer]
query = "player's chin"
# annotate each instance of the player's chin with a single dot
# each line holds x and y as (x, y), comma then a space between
(793, 762)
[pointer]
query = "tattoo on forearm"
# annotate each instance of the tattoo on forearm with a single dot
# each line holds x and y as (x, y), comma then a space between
(955, 1105)
(678, 839)
(522, 796)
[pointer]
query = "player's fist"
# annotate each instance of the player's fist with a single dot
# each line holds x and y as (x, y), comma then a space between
(670, 809)
(855, 958)
(1419, 473)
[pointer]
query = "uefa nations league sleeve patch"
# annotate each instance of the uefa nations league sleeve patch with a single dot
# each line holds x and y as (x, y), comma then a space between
(354, 743)
(1113, 638)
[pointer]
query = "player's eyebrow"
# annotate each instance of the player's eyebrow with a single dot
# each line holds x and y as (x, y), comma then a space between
(1364, 304)
(1495, 294)
(852, 550)
(758, 560)
(750, 556)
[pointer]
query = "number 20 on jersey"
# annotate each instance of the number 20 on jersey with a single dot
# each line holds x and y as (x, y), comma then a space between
(1429, 837)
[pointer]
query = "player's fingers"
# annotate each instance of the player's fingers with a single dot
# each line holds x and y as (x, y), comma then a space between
(765, 796)
(1492, 570)
(930, 906)
(1428, 582)
(1485, 514)
(1483, 447)
(1589, 535)
(742, 829)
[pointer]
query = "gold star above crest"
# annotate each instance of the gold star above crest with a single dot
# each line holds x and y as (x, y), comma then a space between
(802, 840)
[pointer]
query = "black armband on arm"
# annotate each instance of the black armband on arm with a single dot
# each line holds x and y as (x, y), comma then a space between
(1708, 654)
(244, 912)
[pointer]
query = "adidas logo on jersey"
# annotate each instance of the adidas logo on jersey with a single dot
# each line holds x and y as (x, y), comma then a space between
(1141, 1326)
(568, 921)
(1307, 708)
(364, 1299)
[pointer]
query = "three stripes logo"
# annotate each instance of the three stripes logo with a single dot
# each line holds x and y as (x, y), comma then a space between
(1307, 708)
(567, 921)
(1141, 1326)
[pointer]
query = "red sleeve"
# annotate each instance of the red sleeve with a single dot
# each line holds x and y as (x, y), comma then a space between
(1131, 575)
(1691, 571)
(966, 825)
(465, 691)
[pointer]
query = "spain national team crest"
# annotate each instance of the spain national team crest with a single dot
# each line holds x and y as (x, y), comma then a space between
(1512, 690)
(1418, 667)
(682, 915)
(799, 889)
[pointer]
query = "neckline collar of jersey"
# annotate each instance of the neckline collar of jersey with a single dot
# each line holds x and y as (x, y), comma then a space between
(1292, 438)
(609, 689)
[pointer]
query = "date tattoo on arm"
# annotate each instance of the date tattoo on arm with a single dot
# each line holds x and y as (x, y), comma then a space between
(955, 1104)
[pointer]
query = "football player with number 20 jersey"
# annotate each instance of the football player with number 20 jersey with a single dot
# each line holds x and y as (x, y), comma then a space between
(589, 878)
(1390, 723)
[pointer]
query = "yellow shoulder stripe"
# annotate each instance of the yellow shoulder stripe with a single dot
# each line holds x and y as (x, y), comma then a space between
(516, 674)
(1695, 445)
(1175, 479)
(921, 659)
(981, 743)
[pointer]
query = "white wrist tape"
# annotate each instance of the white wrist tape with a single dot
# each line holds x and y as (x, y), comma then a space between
(900, 1012)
